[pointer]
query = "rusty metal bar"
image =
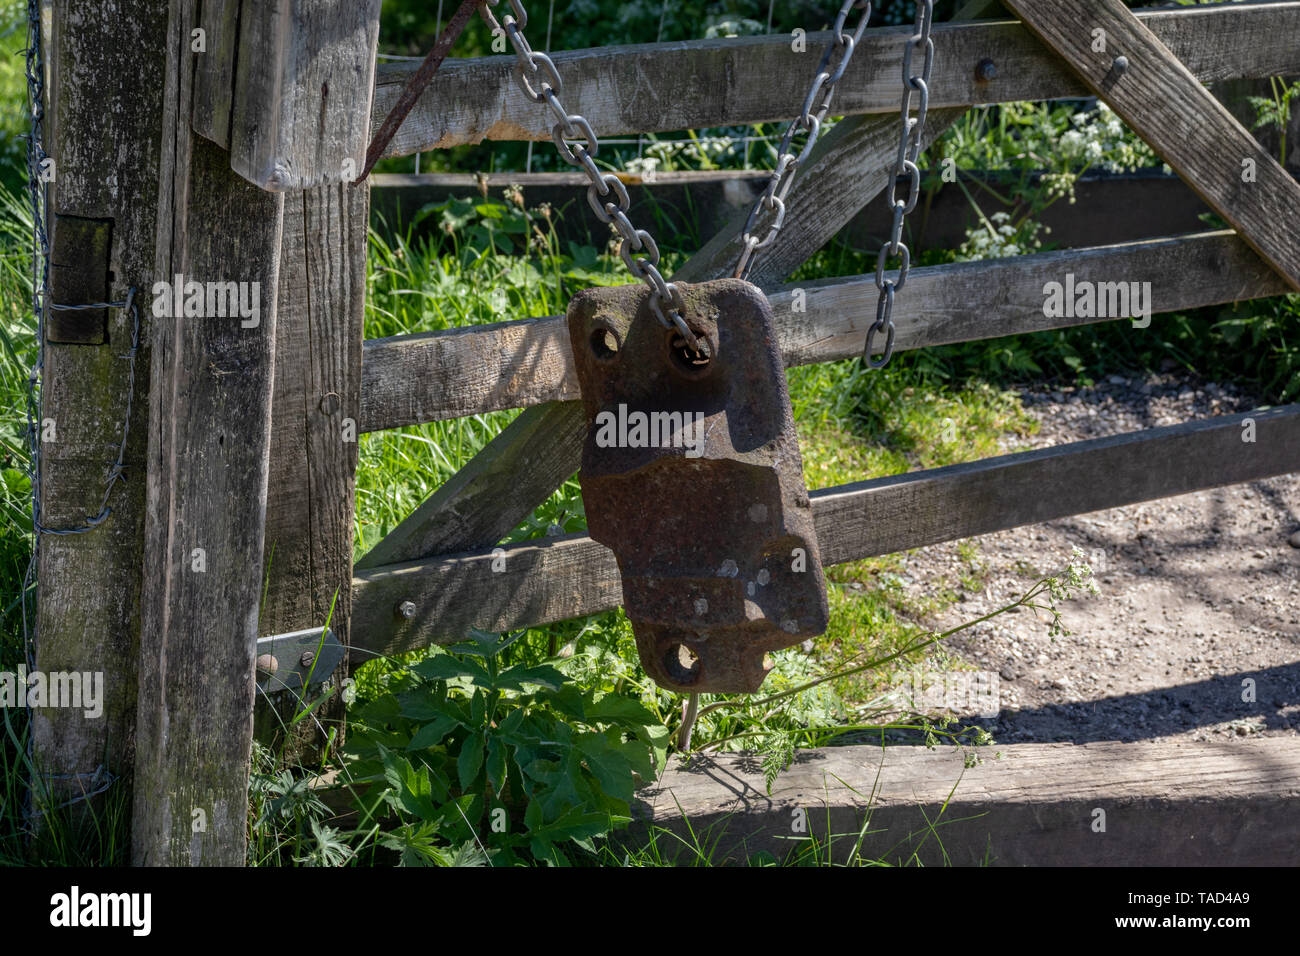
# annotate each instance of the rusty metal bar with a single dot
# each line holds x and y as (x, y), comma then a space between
(416, 85)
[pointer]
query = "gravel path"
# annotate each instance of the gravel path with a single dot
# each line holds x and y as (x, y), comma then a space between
(1198, 594)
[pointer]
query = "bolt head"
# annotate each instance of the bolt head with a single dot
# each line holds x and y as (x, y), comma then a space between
(986, 70)
(267, 664)
(1119, 64)
(308, 658)
(406, 609)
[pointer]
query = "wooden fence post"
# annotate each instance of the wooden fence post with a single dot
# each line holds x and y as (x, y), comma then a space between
(209, 441)
(104, 131)
(314, 432)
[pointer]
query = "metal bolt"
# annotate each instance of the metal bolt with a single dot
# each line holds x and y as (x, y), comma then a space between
(267, 664)
(307, 659)
(986, 70)
(330, 402)
(406, 609)
(1119, 64)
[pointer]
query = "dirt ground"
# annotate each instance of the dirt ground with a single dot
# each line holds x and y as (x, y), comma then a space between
(1198, 595)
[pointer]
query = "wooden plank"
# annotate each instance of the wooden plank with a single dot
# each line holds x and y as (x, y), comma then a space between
(209, 438)
(87, 614)
(214, 69)
(845, 170)
(1168, 803)
(429, 376)
(541, 582)
(1165, 104)
(304, 81)
(655, 87)
(311, 492)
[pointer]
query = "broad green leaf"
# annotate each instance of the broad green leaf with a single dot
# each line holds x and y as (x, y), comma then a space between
(471, 759)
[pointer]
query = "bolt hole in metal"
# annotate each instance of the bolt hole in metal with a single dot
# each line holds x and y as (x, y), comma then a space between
(604, 343)
(693, 363)
(682, 664)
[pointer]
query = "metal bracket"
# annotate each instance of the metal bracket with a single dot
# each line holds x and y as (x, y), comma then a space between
(291, 661)
(691, 475)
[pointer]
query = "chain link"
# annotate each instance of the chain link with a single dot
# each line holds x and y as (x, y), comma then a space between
(909, 148)
(809, 121)
(578, 146)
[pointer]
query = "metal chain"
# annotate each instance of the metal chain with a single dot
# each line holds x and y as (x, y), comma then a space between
(909, 148)
(815, 106)
(606, 194)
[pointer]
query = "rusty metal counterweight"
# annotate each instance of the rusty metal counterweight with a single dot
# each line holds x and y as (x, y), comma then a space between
(691, 474)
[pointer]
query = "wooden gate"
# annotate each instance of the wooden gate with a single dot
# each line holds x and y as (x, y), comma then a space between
(252, 440)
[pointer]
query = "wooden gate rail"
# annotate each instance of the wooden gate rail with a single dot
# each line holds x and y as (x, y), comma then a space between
(760, 79)
(552, 580)
(428, 376)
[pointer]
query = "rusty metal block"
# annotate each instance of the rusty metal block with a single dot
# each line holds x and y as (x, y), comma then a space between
(691, 474)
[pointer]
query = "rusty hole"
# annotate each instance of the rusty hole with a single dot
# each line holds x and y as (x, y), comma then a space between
(682, 664)
(685, 359)
(604, 342)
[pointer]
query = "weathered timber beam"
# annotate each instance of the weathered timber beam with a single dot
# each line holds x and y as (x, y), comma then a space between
(1164, 102)
(87, 607)
(557, 579)
(658, 87)
(430, 376)
(205, 495)
(311, 493)
(287, 86)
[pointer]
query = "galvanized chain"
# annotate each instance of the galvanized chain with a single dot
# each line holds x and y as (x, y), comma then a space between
(606, 194)
(909, 148)
(815, 106)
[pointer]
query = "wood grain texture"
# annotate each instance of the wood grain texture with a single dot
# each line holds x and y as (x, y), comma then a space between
(657, 87)
(87, 614)
(435, 375)
(214, 70)
(1169, 803)
(1165, 104)
(541, 582)
(304, 81)
(209, 438)
(311, 492)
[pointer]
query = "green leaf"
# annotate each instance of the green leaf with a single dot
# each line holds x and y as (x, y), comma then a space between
(433, 733)
(471, 759)
(496, 763)
(544, 675)
(607, 765)
(448, 667)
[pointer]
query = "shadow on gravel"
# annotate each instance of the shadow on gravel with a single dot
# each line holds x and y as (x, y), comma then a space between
(1163, 711)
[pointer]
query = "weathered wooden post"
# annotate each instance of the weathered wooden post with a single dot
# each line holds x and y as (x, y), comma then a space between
(293, 120)
(104, 130)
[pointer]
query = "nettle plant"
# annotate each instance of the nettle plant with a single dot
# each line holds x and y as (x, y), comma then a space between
(469, 752)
